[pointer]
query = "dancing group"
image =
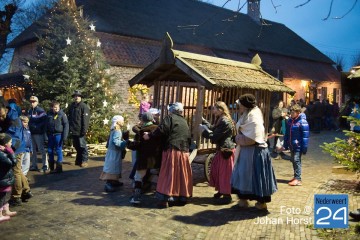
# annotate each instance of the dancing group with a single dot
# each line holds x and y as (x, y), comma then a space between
(241, 165)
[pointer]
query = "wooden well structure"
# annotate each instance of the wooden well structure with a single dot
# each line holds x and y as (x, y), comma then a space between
(198, 81)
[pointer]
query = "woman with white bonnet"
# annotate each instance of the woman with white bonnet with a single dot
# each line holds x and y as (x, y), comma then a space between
(253, 177)
(174, 186)
(113, 159)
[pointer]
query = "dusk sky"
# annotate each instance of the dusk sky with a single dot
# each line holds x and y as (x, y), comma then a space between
(333, 37)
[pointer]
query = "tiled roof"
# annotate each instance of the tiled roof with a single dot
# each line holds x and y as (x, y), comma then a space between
(131, 51)
(151, 19)
(300, 69)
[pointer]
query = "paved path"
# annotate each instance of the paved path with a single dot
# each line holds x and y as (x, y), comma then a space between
(73, 206)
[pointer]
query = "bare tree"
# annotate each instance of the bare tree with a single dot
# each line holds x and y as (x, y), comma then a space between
(356, 59)
(6, 18)
(14, 18)
(339, 61)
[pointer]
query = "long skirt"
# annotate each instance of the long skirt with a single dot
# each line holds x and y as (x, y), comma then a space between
(175, 177)
(112, 166)
(220, 173)
(253, 177)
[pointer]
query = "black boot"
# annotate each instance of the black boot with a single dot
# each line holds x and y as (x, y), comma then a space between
(51, 166)
(26, 196)
(355, 214)
(109, 187)
(58, 168)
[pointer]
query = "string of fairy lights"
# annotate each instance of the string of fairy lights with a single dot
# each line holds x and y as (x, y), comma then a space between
(90, 56)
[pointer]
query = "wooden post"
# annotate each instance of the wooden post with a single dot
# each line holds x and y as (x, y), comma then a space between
(199, 114)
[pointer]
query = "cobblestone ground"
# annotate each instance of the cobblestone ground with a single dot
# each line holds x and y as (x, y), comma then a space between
(73, 205)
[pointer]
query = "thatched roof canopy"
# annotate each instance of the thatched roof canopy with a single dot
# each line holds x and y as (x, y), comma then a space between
(355, 72)
(210, 72)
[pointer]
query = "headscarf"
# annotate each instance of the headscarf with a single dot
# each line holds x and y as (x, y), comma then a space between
(154, 111)
(115, 119)
(176, 108)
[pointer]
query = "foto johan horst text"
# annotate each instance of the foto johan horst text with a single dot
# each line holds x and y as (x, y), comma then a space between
(282, 220)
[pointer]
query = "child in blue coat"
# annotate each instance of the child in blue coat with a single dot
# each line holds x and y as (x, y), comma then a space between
(296, 140)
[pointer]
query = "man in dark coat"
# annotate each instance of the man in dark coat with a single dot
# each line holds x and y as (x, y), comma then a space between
(79, 118)
(37, 122)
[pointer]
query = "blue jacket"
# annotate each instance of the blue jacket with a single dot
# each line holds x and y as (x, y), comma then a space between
(16, 131)
(297, 134)
(37, 120)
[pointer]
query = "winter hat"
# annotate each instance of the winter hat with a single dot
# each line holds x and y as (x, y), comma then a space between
(176, 107)
(76, 93)
(34, 99)
(115, 119)
(147, 117)
(4, 139)
(154, 111)
(248, 100)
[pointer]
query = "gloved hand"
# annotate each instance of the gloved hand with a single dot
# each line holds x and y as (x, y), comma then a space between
(126, 135)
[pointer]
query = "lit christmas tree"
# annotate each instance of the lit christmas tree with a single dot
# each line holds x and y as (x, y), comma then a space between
(346, 151)
(69, 58)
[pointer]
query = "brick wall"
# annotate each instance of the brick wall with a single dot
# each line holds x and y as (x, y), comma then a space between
(121, 88)
(27, 51)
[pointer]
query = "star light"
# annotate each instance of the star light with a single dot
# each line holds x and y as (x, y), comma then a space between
(65, 58)
(92, 27)
(26, 77)
(105, 103)
(98, 44)
(68, 41)
(106, 121)
(98, 85)
(66, 105)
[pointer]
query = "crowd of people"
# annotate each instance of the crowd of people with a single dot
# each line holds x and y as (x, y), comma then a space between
(241, 165)
(23, 134)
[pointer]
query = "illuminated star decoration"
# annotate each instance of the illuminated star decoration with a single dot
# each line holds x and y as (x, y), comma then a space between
(106, 121)
(28, 63)
(26, 77)
(98, 44)
(105, 103)
(92, 27)
(98, 85)
(68, 41)
(65, 58)
(66, 105)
